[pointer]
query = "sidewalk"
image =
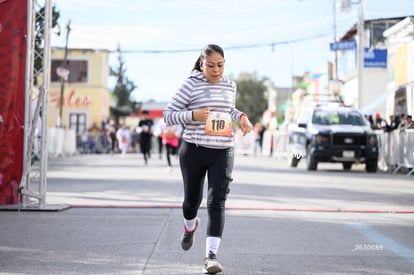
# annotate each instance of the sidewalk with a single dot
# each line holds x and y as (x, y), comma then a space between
(127, 220)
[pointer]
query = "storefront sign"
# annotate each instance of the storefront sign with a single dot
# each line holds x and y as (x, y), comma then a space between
(345, 45)
(72, 100)
(375, 58)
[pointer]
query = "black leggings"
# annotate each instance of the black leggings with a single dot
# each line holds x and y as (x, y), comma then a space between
(195, 163)
(171, 150)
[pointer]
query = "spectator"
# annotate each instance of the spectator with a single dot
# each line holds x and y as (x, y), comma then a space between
(379, 122)
(93, 139)
(84, 142)
(371, 121)
(410, 123)
(394, 122)
(259, 130)
(110, 129)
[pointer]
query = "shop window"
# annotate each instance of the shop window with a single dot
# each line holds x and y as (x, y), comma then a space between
(400, 101)
(377, 29)
(77, 121)
(78, 71)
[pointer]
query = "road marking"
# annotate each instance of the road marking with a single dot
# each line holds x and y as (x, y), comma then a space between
(253, 208)
(388, 243)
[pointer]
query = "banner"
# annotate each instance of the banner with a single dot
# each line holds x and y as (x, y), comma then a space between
(13, 29)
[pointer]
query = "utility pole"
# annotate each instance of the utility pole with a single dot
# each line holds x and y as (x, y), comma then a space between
(63, 77)
(336, 52)
(361, 45)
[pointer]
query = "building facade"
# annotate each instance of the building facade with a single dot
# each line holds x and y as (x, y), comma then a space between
(400, 81)
(373, 94)
(86, 97)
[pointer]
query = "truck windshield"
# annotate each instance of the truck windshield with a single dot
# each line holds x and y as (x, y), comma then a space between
(332, 117)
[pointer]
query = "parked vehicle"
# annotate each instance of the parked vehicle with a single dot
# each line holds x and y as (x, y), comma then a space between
(333, 134)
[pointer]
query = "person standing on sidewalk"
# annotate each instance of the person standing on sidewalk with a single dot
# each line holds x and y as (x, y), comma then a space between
(111, 129)
(205, 106)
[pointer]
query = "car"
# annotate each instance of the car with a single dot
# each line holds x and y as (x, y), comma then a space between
(333, 133)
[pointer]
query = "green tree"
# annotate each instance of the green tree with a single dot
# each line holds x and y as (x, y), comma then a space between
(251, 95)
(123, 89)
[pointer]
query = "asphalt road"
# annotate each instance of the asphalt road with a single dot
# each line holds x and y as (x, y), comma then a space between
(123, 217)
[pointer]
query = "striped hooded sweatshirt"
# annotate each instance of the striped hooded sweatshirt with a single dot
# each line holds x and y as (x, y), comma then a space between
(197, 92)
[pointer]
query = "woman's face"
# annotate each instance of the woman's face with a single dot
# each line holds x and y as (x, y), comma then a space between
(213, 67)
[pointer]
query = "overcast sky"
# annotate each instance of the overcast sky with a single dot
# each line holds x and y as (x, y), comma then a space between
(163, 38)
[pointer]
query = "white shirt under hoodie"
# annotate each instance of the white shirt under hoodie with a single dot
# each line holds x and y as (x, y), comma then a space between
(197, 92)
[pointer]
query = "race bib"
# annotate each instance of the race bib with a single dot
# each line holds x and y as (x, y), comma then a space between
(218, 124)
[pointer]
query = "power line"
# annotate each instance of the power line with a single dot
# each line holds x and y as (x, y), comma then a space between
(236, 47)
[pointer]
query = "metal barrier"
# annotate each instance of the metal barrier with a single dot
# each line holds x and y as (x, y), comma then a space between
(93, 143)
(409, 150)
(61, 142)
(245, 145)
(402, 152)
(395, 149)
(382, 150)
(281, 149)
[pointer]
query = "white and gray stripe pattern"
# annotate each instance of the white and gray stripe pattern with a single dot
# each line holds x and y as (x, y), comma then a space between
(195, 93)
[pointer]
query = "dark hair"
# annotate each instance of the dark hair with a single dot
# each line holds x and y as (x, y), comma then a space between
(207, 51)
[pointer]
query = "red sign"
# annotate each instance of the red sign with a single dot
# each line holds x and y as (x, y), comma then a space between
(13, 29)
(72, 100)
(151, 113)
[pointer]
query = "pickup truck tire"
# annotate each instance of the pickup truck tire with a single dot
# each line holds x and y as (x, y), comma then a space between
(371, 166)
(311, 164)
(347, 165)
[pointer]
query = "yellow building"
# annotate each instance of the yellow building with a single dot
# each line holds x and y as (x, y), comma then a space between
(86, 97)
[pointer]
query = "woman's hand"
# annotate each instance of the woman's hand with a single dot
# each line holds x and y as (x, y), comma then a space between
(201, 114)
(245, 125)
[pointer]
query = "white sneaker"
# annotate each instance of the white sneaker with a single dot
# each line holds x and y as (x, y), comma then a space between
(211, 265)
